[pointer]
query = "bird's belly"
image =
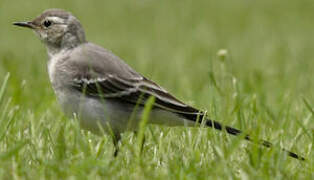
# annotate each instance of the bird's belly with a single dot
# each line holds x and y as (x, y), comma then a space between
(111, 114)
(93, 113)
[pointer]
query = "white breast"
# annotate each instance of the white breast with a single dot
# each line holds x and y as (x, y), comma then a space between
(52, 64)
(51, 69)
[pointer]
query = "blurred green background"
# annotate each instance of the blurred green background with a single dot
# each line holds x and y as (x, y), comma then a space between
(264, 81)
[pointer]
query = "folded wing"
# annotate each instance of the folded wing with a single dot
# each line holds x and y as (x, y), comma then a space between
(134, 91)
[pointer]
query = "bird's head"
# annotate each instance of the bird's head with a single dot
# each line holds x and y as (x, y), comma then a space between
(57, 28)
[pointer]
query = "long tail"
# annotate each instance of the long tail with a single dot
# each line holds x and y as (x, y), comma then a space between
(236, 132)
(233, 131)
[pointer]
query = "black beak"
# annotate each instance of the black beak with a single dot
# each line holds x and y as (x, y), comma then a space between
(25, 24)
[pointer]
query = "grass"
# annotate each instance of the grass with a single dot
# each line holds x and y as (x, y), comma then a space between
(264, 85)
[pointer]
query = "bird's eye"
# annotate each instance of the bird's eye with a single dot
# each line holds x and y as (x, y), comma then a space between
(47, 23)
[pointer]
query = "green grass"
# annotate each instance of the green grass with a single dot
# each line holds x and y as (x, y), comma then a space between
(264, 86)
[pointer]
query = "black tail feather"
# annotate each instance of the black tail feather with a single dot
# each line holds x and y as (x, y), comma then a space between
(236, 132)
(233, 131)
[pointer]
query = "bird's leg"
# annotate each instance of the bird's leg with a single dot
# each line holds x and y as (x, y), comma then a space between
(116, 139)
(142, 145)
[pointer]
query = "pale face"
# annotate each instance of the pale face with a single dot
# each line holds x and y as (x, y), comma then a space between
(58, 29)
(51, 30)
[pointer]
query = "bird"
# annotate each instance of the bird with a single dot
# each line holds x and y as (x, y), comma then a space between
(101, 90)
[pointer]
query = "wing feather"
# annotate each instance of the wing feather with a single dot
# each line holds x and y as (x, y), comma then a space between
(134, 91)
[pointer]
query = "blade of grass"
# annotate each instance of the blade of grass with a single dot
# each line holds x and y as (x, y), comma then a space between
(145, 116)
(13, 151)
(3, 87)
(308, 105)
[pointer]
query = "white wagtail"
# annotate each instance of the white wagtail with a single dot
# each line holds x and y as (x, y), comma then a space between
(100, 88)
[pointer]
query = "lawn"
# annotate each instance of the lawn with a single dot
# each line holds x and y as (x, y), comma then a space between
(263, 85)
